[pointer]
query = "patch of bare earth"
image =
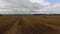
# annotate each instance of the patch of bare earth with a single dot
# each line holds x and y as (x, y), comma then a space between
(29, 24)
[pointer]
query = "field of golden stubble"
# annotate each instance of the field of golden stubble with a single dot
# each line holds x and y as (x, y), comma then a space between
(30, 24)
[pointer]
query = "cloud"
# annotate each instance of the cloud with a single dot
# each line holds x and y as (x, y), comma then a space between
(56, 8)
(28, 7)
(51, 9)
(20, 6)
(41, 2)
(48, 8)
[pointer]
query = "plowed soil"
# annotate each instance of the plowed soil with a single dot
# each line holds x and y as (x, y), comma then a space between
(29, 24)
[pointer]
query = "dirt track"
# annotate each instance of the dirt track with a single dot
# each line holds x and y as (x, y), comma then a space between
(29, 24)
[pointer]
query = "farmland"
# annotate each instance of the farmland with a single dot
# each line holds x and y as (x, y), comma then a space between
(30, 24)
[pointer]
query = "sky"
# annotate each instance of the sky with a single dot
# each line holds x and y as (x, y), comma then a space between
(53, 1)
(29, 6)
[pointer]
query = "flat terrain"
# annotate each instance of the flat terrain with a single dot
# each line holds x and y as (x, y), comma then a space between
(29, 24)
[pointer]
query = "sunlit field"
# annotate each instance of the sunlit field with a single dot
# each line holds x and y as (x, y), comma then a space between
(30, 24)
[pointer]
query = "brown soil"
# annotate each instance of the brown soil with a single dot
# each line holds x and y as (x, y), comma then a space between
(29, 24)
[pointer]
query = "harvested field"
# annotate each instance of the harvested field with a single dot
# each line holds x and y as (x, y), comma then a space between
(29, 24)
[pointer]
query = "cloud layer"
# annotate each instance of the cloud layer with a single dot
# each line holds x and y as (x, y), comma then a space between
(28, 7)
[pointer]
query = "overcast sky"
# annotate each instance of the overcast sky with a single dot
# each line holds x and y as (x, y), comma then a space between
(29, 6)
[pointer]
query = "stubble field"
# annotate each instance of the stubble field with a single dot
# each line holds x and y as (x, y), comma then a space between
(30, 24)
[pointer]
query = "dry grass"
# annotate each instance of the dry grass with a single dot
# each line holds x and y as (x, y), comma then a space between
(29, 24)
